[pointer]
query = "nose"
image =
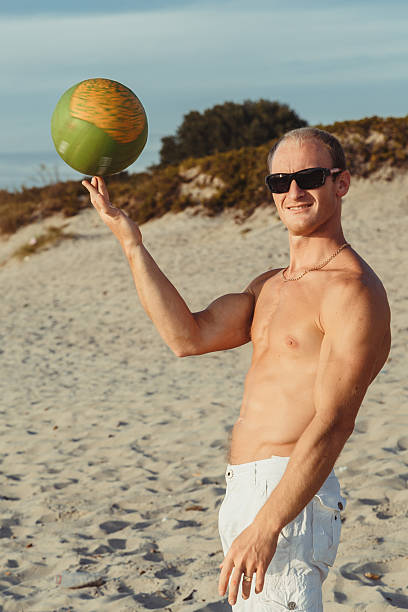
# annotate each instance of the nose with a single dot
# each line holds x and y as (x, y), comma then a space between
(294, 190)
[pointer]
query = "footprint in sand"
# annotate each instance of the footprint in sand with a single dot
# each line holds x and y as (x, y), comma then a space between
(167, 572)
(153, 553)
(402, 443)
(375, 574)
(369, 502)
(155, 601)
(117, 544)
(113, 526)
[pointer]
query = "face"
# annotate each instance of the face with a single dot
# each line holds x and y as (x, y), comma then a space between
(319, 207)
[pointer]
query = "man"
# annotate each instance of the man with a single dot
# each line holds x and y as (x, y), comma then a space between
(320, 330)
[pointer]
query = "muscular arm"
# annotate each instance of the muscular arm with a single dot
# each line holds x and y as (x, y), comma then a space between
(224, 324)
(356, 321)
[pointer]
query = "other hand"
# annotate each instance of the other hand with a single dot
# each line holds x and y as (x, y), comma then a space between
(125, 230)
(251, 552)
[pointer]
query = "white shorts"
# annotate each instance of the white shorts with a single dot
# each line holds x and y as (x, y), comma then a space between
(306, 548)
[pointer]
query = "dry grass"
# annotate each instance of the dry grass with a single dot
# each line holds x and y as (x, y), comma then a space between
(373, 146)
(52, 237)
(19, 208)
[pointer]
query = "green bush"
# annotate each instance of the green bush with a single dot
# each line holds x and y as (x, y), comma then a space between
(228, 126)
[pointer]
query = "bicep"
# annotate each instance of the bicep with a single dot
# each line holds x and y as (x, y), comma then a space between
(356, 326)
(225, 323)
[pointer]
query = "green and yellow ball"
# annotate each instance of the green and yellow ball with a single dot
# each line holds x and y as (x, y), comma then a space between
(99, 127)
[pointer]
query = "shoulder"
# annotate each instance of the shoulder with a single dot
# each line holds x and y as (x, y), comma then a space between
(355, 320)
(356, 294)
(255, 286)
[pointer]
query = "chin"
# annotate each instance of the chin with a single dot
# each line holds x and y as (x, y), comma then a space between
(301, 229)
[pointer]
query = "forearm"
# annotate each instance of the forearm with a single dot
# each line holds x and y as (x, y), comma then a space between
(161, 301)
(309, 465)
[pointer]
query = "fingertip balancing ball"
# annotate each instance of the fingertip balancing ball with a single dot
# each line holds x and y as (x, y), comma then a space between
(99, 127)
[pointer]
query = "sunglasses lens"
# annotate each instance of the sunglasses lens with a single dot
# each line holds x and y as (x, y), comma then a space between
(278, 184)
(311, 179)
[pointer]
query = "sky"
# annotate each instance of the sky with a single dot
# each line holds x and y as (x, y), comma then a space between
(328, 60)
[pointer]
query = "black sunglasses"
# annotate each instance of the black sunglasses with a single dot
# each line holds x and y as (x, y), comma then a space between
(311, 178)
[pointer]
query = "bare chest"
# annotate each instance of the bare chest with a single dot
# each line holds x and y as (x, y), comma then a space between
(286, 320)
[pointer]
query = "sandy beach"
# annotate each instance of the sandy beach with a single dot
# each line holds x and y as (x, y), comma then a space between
(113, 450)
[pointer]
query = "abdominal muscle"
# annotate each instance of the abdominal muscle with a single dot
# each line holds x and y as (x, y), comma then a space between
(275, 412)
(279, 402)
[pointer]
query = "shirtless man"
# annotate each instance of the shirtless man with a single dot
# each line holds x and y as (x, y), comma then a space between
(320, 330)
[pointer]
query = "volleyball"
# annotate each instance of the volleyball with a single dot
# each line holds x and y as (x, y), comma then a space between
(99, 127)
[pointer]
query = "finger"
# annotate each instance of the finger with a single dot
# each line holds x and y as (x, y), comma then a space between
(91, 187)
(87, 185)
(234, 585)
(246, 584)
(102, 187)
(227, 567)
(98, 200)
(260, 578)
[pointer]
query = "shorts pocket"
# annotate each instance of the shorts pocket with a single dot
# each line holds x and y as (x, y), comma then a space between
(326, 526)
(294, 591)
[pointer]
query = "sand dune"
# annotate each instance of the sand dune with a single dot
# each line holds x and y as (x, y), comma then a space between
(113, 450)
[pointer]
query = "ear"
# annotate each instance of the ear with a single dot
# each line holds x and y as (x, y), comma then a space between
(343, 183)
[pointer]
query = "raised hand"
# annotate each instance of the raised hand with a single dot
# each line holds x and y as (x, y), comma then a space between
(125, 230)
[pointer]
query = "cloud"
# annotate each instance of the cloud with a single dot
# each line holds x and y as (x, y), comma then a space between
(199, 48)
(200, 54)
(78, 7)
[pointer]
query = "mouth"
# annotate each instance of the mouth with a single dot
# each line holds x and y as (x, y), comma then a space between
(299, 207)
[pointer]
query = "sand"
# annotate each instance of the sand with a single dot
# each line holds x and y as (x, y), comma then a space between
(113, 450)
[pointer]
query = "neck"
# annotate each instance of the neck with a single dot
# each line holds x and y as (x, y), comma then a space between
(308, 251)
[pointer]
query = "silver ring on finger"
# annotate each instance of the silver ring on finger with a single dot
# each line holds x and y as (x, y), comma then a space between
(247, 578)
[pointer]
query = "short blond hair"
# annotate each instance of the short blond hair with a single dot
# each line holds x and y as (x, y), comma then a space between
(310, 133)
